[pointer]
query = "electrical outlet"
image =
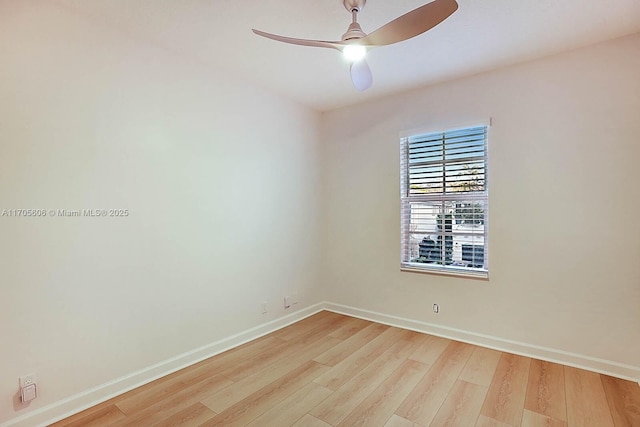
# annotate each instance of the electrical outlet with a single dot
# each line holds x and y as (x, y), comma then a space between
(265, 308)
(28, 393)
(27, 380)
(436, 308)
(287, 302)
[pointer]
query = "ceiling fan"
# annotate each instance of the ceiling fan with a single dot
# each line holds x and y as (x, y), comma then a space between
(355, 43)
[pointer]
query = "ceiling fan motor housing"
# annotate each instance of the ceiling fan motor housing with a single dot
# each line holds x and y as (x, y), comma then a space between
(354, 31)
(352, 5)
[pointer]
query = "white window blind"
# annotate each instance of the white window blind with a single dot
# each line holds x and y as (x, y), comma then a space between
(444, 199)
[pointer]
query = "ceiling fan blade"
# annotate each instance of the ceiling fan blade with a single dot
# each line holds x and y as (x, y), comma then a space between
(301, 42)
(361, 75)
(411, 24)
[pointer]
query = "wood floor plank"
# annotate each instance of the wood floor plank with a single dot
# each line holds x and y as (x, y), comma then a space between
(283, 349)
(481, 366)
(201, 370)
(534, 419)
(346, 398)
(233, 394)
(139, 399)
(308, 325)
(359, 359)
(397, 421)
(175, 403)
(624, 401)
(379, 406)
(343, 350)
(586, 401)
(430, 350)
(507, 392)
(417, 340)
(546, 391)
(302, 326)
(102, 415)
(310, 421)
(262, 400)
(424, 401)
(155, 394)
(250, 365)
(490, 422)
(192, 416)
(320, 332)
(352, 327)
(462, 406)
(293, 407)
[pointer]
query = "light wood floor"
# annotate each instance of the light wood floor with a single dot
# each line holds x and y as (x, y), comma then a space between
(334, 370)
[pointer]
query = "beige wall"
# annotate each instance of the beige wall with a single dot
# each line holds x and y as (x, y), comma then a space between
(564, 202)
(219, 178)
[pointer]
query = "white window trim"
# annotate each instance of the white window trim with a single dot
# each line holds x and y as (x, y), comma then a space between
(439, 269)
(446, 127)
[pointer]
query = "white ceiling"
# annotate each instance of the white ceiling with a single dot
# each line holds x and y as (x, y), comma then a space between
(481, 35)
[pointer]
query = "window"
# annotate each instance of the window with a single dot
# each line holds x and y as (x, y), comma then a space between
(444, 202)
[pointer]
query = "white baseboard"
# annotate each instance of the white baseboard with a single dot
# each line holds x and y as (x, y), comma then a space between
(81, 401)
(607, 367)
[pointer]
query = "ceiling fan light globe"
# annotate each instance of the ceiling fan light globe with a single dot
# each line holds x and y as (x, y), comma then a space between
(354, 52)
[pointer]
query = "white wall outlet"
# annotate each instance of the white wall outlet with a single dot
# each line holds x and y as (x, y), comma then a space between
(265, 308)
(27, 387)
(436, 308)
(27, 380)
(28, 393)
(287, 302)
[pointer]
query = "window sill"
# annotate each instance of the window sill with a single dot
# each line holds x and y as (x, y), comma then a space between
(479, 275)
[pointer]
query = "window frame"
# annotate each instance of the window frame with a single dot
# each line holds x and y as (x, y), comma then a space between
(442, 197)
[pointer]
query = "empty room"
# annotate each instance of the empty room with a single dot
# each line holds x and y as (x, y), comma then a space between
(328, 213)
